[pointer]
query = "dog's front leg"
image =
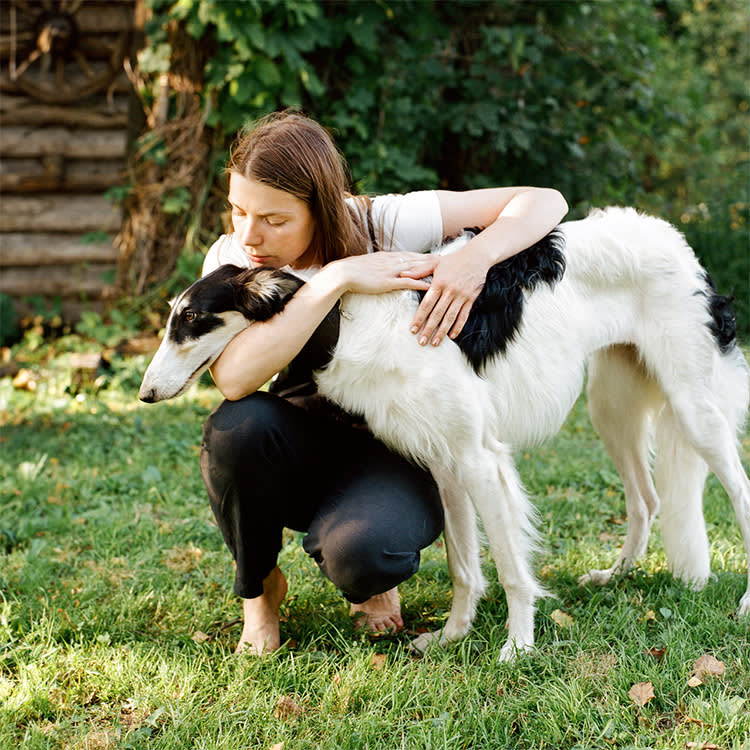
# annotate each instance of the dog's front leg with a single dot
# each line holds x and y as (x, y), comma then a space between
(499, 498)
(462, 548)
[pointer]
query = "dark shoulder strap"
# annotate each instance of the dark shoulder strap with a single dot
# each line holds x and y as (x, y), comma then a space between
(371, 228)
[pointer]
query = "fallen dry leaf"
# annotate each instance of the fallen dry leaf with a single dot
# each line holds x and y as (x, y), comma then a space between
(277, 746)
(287, 708)
(699, 722)
(702, 746)
(657, 652)
(707, 666)
(641, 693)
(377, 661)
(562, 619)
(200, 637)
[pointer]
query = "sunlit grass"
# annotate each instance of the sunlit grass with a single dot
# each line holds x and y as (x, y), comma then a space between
(117, 620)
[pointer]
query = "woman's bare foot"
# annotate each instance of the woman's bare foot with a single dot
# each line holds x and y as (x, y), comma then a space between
(379, 614)
(260, 633)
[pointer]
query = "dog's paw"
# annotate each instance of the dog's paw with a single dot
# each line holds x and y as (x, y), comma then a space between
(599, 577)
(511, 650)
(744, 609)
(694, 581)
(421, 644)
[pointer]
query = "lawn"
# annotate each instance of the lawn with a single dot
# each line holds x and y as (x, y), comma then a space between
(117, 620)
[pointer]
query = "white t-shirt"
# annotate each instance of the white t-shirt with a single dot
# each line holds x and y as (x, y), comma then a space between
(410, 222)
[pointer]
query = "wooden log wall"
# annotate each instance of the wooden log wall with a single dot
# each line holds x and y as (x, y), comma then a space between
(59, 153)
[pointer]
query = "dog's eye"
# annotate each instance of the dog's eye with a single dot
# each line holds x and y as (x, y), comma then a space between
(190, 316)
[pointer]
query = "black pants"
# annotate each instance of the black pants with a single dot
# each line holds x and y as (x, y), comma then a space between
(268, 464)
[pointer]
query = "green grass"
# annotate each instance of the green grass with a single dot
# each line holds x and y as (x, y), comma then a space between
(117, 620)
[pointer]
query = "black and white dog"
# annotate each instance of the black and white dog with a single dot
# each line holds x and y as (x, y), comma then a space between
(619, 294)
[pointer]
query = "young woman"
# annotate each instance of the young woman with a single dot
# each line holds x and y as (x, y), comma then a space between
(269, 464)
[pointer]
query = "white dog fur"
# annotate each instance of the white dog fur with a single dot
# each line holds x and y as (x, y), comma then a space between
(632, 308)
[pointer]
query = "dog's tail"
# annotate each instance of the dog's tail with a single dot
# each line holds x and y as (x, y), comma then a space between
(680, 473)
(679, 476)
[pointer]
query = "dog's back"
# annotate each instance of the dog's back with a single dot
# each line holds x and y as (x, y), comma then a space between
(626, 276)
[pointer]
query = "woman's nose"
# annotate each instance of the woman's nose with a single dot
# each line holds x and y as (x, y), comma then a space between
(251, 234)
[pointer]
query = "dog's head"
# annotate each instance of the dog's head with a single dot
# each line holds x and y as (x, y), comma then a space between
(205, 317)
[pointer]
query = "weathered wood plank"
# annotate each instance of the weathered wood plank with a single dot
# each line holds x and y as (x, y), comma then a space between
(51, 174)
(44, 249)
(23, 110)
(75, 80)
(91, 17)
(29, 140)
(58, 213)
(67, 281)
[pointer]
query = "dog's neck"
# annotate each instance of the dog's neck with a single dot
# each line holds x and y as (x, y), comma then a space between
(297, 378)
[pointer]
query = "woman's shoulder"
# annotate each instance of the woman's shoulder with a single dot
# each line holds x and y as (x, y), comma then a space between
(225, 250)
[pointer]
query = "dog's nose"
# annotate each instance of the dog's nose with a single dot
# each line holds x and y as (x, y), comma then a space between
(149, 396)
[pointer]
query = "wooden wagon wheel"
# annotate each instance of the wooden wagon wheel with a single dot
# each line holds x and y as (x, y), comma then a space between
(51, 61)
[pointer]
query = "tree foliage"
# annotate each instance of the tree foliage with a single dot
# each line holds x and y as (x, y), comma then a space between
(427, 93)
(638, 101)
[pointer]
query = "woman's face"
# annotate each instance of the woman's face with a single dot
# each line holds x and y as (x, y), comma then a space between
(274, 228)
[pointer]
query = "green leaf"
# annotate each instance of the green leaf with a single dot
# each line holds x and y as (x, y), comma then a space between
(177, 201)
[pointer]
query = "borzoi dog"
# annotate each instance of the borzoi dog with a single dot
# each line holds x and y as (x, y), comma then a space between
(618, 293)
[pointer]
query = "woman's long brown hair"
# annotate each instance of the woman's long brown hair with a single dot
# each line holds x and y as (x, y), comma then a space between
(293, 153)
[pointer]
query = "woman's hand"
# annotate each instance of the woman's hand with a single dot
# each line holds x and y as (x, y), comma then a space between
(382, 272)
(457, 280)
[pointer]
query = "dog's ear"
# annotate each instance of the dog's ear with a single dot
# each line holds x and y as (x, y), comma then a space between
(260, 293)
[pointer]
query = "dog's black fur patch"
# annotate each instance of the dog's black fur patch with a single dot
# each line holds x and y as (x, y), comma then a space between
(723, 325)
(496, 315)
(228, 288)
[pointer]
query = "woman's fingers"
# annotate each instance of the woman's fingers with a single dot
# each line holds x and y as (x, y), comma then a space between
(460, 322)
(446, 324)
(417, 265)
(446, 318)
(457, 281)
(442, 312)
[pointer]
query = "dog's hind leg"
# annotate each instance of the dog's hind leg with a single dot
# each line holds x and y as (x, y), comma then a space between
(490, 477)
(622, 400)
(462, 548)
